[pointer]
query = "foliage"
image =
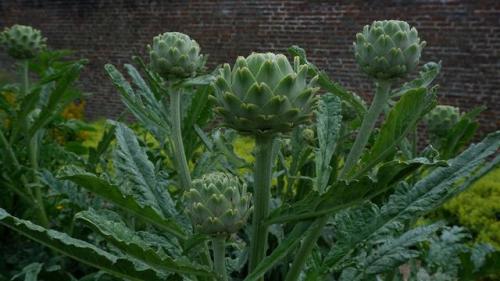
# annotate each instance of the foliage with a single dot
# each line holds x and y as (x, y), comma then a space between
(30, 111)
(333, 196)
(478, 208)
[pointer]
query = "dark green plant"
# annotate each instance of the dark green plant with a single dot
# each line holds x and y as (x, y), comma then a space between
(326, 206)
(30, 108)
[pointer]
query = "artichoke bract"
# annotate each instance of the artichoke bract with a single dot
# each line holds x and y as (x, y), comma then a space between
(175, 55)
(218, 204)
(22, 42)
(441, 119)
(264, 94)
(388, 49)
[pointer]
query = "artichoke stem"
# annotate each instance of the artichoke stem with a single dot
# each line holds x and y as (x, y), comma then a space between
(25, 84)
(377, 106)
(219, 248)
(262, 194)
(306, 248)
(33, 152)
(180, 156)
(24, 93)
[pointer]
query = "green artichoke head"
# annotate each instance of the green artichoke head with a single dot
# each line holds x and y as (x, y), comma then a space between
(441, 119)
(388, 49)
(175, 55)
(264, 93)
(218, 204)
(308, 135)
(22, 42)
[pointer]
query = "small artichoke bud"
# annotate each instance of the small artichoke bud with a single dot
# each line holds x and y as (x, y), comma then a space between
(264, 94)
(441, 119)
(388, 49)
(308, 136)
(22, 42)
(218, 204)
(175, 55)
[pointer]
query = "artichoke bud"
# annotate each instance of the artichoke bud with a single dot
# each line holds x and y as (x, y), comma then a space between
(175, 55)
(441, 119)
(388, 49)
(308, 136)
(265, 94)
(22, 42)
(218, 204)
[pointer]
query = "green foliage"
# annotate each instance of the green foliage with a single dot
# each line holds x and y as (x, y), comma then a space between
(478, 208)
(337, 199)
(81, 251)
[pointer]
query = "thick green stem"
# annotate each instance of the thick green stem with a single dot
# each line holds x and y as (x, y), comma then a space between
(262, 194)
(306, 248)
(377, 106)
(180, 155)
(33, 151)
(219, 248)
(24, 92)
(25, 83)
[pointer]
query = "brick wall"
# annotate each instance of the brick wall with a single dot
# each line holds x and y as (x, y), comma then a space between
(464, 35)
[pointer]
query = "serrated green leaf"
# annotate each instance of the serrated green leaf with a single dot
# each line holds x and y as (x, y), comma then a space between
(136, 174)
(410, 202)
(329, 120)
(344, 194)
(127, 202)
(60, 96)
(392, 253)
(130, 242)
(81, 251)
(150, 111)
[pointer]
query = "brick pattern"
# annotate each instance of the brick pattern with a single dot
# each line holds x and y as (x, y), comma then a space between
(464, 35)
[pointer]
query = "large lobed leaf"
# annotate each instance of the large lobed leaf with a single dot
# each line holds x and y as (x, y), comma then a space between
(329, 120)
(136, 174)
(60, 96)
(142, 103)
(392, 253)
(408, 202)
(127, 202)
(138, 246)
(345, 194)
(82, 251)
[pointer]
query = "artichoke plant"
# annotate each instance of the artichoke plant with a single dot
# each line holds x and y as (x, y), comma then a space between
(175, 55)
(218, 204)
(440, 120)
(22, 42)
(384, 50)
(264, 94)
(388, 49)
